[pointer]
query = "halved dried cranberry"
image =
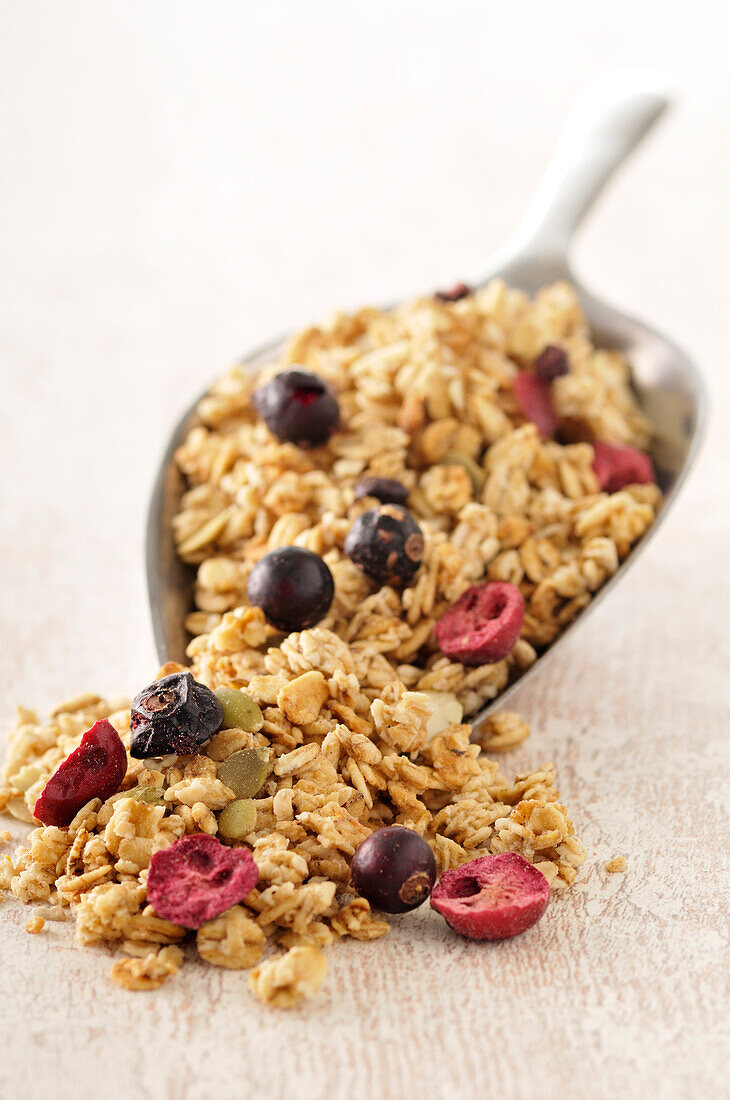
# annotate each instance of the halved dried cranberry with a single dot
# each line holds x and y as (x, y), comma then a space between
(617, 465)
(493, 897)
(461, 290)
(551, 363)
(94, 770)
(197, 878)
(483, 625)
(535, 400)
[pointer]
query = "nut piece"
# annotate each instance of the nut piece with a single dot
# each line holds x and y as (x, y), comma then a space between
(302, 699)
(290, 978)
(447, 711)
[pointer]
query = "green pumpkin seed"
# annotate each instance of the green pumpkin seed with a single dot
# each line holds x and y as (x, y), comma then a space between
(240, 712)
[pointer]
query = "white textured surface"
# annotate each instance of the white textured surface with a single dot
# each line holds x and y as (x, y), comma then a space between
(181, 181)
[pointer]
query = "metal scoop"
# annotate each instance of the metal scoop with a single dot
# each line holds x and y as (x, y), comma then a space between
(609, 119)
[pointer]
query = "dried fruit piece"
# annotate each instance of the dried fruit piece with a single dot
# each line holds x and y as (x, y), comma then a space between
(94, 770)
(240, 711)
(493, 897)
(387, 544)
(293, 587)
(617, 465)
(385, 489)
(483, 625)
(461, 290)
(173, 715)
(298, 407)
(394, 869)
(551, 363)
(238, 819)
(244, 771)
(197, 878)
(535, 401)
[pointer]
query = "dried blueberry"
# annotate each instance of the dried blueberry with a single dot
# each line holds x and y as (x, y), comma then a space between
(551, 363)
(298, 407)
(173, 715)
(461, 290)
(387, 544)
(617, 465)
(293, 587)
(493, 897)
(394, 869)
(385, 489)
(483, 625)
(94, 770)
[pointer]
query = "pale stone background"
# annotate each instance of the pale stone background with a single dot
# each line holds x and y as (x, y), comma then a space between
(181, 181)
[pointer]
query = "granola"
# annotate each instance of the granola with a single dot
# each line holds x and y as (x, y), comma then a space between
(426, 393)
(351, 769)
(359, 719)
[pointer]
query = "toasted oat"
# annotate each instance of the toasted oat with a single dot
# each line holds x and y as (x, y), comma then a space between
(35, 925)
(500, 732)
(617, 865)
(149, 972)
(290, 978)
(232, 940)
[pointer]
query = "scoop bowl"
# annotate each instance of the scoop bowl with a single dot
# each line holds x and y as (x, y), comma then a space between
(608, 121)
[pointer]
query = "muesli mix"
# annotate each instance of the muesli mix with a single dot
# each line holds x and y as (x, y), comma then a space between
(389, 524)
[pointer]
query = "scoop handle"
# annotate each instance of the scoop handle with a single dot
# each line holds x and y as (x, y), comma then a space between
(609, 118)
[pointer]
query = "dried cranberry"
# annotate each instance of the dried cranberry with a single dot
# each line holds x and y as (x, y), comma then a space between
(387, 544)
(298, 407)
(461, 290)
(617, 465)
(551, 363)
(483, 625)
(173, 715)
(535, 401)
(385, 489)
(197, 878)
(493, 897)
(293, 587)
(94, 770)
(394, 869)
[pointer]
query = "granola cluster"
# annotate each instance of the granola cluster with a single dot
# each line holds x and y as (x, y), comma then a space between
(427, 398)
